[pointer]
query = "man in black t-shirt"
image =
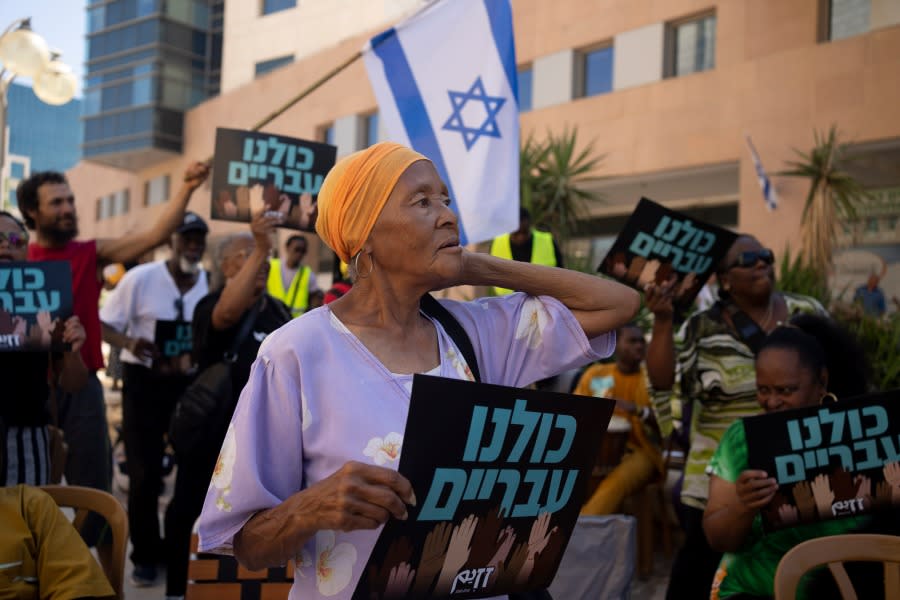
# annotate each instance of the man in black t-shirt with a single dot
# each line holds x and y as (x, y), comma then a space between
(243, 261)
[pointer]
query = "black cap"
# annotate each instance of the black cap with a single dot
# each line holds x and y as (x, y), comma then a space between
(192, 222)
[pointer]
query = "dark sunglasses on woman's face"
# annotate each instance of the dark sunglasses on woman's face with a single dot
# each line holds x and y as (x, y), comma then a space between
(16, 240)
(749, 258)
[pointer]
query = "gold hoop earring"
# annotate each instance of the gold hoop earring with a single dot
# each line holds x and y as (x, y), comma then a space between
(359, 275)
(830, 397)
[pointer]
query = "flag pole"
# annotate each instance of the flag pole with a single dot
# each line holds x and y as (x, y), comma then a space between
(306, 92)
(309, 90)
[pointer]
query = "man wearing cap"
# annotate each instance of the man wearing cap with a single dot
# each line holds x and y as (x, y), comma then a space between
(165, 290)
(48, 207)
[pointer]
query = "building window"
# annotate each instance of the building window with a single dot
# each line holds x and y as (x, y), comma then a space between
(105, 207)
(113, 205)
(847, 18)
(156, 191)
(16, 170)
(328, 134)
(691, 46)
(372, 122)
(122, 200)
(595, 72)
(270, 65)
(272, 6)
(526, 81)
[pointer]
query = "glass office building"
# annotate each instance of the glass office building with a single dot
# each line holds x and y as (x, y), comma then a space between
(41, 138)
(147, 62)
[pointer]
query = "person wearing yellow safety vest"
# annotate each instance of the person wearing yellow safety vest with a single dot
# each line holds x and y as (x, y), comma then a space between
(289, 280)
(526, 245)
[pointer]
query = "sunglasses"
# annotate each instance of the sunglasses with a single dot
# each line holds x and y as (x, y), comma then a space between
(748, 259)
(15, 239)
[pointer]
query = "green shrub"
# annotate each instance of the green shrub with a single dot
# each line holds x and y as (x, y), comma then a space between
(880, 338)
(799, 277)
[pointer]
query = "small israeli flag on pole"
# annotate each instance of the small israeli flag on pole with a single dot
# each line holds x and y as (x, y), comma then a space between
(446, 83)
(765, 183)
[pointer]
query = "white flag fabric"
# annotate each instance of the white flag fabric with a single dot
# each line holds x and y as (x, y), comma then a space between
(446, 85)
(765, 184)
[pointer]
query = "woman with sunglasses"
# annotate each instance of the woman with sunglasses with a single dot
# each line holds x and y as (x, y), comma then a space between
(713, 356)
(24, 404)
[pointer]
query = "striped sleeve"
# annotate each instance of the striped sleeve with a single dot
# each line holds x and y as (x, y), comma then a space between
(668, 405)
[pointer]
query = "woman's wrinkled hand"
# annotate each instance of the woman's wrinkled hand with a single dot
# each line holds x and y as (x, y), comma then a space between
(755, 489)
(357, 496)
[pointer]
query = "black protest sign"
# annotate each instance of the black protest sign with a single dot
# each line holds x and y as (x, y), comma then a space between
(174, 341)
(658, 244)
(35, 301)
(261, 171)
(830, 461)
(500, 475)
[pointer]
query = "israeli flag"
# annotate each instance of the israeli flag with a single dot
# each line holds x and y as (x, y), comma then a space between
(446, 85)
(765, 184)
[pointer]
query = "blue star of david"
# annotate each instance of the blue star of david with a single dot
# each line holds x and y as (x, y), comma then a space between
(492, 105)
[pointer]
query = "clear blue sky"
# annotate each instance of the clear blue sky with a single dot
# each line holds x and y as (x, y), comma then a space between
(60, 22)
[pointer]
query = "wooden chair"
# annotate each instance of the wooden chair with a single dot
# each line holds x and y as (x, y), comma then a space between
(216, 577)
(649, 505)
(83, 500)
(834, 550)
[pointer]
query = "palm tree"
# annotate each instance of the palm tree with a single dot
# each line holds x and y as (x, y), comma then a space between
(833, 194)
(551, 177)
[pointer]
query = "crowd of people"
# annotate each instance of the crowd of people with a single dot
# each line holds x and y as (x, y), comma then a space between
(282, 468)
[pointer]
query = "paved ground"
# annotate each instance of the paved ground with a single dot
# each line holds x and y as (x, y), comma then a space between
(653, 588)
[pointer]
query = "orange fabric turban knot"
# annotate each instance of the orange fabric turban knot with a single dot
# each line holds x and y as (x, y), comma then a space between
(354, 193)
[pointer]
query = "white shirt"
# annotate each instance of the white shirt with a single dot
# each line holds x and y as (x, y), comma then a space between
(145, 294)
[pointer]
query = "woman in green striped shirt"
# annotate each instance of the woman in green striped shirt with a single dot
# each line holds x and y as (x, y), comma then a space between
(712, 382)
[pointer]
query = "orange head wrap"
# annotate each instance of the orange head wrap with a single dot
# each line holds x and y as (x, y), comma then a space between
(354, 193)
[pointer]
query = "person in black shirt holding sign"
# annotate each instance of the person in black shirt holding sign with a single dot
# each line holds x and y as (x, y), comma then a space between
(218, 320)
(24, 410)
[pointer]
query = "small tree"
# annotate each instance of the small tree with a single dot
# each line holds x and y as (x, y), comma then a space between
(551, 176)
(833, 195)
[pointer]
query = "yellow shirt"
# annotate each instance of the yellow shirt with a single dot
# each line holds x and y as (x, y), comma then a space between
(607, 381)
(41, 554)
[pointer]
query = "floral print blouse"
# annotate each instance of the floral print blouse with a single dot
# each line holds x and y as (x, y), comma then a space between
(318, 398)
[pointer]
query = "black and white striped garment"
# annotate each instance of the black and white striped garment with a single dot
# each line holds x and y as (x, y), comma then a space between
(26, 458)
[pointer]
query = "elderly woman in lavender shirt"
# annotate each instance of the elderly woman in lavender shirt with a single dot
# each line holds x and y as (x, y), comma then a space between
(308, 467)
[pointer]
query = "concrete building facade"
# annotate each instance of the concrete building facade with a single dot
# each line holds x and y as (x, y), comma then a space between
(262, 35)
(667, 91)
(147, 62)
(39, 137)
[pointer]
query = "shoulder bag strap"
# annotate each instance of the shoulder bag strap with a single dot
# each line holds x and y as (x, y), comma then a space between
(435, 309)
(246, 325)
(747, 329)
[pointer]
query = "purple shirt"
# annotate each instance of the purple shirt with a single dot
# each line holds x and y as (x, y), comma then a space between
(318, 398)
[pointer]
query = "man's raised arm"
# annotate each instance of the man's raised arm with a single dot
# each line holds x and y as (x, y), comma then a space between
(131, 246)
